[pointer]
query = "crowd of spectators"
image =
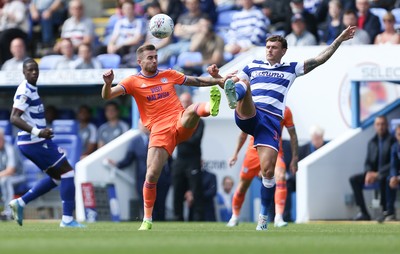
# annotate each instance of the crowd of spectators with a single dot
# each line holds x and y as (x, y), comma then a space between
(200, 26)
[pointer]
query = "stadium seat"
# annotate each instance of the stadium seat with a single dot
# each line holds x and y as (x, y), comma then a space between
(223, 23)
(188, 56)
(109, 61)
(396, 14)
(65, 114)
(66, 136)
(7, 127)
(393, 124)
(32, 173)
(48, 62)
(379, 12)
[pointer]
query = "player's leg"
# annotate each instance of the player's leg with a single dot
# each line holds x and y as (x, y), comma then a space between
(267, 157)
(239, 97)
(238, 200)
(43, 158)
(64, 173)
(192, 113)
(280, 192)
(156, 159)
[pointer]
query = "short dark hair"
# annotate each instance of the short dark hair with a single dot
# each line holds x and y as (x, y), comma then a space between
(28, 61)
(112, 103)
(143, 48)
(278, 38)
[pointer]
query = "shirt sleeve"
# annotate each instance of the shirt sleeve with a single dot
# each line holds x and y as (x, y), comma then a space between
(22, 100)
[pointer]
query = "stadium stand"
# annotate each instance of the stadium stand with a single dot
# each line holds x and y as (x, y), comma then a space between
(48, 62)
(109, 61)
(379, 12)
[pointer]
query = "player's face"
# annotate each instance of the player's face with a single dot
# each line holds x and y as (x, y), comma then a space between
(148, 61)
(31, 72)
(275, 52)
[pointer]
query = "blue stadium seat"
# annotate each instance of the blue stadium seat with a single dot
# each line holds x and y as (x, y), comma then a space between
(31, 172)
(393, 124)
(188, 56)
(379, 12)
(48, 62)
(223, 23)
(396, 14)
(65, 114)
(109, 61)
(66, 136)
(6, 126)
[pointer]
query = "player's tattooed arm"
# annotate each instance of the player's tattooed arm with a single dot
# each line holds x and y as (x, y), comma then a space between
(203, 81)
(313, 63)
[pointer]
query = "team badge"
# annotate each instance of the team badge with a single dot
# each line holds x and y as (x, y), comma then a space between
(164, 80)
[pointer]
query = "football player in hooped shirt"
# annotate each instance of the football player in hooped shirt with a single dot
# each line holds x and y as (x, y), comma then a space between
(259, 98)
(162, 113)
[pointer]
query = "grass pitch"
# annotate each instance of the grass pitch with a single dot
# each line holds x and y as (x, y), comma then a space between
(192, 238)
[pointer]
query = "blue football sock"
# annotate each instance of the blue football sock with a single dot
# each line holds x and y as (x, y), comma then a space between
(67, 194)
(267, 196)
(240, 90)
(42, 187)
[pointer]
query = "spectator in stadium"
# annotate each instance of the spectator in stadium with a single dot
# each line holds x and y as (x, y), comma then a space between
(225, 5)
(224, 199)
(137, 153)
(162, 113)
(300, 36)
(185, 28)
(173, 8)
(186, 170)
(87, 131)
(114, 126)
(297, 7)
(151, 9)
(78, 28)
(251, 169)
(249, 28)
(50, 15)
(209, 44)
(10, 174)
(209, 184)
(35, 142)
(389, 35)
(366, 20)
(18, 51)
(333, 23)
(361, 36)
(267, 105)
(376, 167)
(85, 59)
(316, 141)
(69, 57)
(128, 34)
(277, 12)
(14, 23)
(393, 179)
(112, 21)
(50, 114)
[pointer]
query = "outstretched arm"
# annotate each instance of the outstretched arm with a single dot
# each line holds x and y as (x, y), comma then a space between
(204, 81)
(313, 63)
(240, 143)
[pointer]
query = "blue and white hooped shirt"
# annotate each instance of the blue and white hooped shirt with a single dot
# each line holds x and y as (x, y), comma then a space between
(27, 99)
(270, 83)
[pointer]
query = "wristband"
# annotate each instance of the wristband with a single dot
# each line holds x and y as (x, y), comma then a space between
(35, 131)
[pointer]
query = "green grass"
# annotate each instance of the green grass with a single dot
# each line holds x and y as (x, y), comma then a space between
(174, 237)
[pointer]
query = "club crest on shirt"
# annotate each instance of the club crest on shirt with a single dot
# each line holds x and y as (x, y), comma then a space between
(164, 80)
(23, 99)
